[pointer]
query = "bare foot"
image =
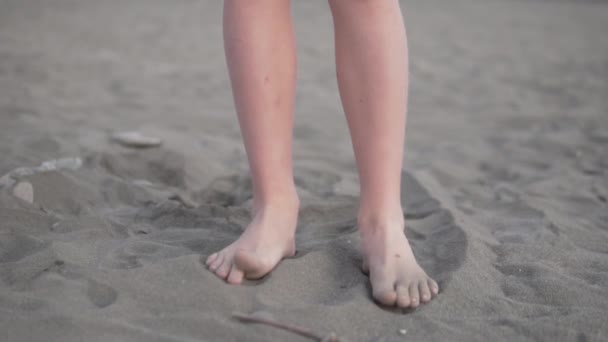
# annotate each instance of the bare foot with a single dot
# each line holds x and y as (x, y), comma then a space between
(396, 277)
(267, 240)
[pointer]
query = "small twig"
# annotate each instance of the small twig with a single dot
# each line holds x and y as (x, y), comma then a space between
(294, 329)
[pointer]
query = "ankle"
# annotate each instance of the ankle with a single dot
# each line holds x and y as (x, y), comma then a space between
(380, 220)
(283, 200)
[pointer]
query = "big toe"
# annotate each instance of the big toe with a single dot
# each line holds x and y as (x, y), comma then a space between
(236, 276)
(250, 264)
(403, 296)
(365, 267)
(384, 292)
(385, 297)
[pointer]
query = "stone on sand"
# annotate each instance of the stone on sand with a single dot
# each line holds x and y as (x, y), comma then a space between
(135, 139)
(24, 191)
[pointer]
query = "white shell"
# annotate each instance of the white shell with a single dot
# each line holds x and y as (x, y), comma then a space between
(136, 139)
(24, 191)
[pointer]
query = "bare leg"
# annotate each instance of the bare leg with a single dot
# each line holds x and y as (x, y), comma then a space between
(260, 52)
(371, 57)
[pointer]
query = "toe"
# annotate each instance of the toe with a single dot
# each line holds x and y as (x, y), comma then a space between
(365, 267)
(216, 262)
(414, 295)
(210, 259)
(224, 269)
(383, 290)
(235, 276)
(250, 264)
(403, 296)
(433, 286)
(385, 297)
(425, 292)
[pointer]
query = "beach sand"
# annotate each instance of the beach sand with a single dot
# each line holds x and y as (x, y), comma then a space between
(505, 183)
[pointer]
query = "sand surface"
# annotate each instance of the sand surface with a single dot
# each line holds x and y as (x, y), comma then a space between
(505, 183)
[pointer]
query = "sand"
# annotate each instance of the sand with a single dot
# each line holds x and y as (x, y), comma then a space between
(505, 181)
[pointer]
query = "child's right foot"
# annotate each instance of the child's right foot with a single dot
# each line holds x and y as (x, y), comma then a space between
(268, 239)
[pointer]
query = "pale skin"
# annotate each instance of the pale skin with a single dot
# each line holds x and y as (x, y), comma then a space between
(372, 71)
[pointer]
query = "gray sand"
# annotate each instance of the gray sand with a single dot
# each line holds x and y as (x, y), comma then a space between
(505, 185)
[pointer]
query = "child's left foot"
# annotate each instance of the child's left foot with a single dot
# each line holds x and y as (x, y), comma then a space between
(396, 277)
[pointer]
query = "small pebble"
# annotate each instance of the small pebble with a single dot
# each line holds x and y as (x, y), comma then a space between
(402, 331)
(24, 191)
(136, 140)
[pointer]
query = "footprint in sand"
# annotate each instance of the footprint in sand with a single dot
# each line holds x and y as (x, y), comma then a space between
(100, 294)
